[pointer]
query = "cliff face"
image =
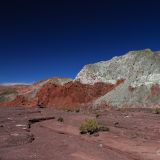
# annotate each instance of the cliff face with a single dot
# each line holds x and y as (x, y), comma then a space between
(73, 94)
(129, 80)
(68, 94)
(141, 71)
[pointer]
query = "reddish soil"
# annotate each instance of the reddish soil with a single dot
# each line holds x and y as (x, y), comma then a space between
(134, 135)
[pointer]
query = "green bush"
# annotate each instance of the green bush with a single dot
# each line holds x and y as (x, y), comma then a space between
(60, 119)
(157, 111)
(91, 126)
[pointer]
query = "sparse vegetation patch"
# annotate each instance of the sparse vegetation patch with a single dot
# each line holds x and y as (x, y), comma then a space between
(156, 111)
(60, 119)
(77, 110)
(91, 126)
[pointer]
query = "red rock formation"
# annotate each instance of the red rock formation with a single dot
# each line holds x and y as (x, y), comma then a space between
(155, 89)
(72, 94)
(69, 95)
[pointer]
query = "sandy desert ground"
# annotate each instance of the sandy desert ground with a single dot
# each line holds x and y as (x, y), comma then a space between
(35, 134)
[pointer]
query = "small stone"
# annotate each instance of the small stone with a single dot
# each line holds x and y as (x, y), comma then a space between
(10, 118)
(100, 145)
(15, 134)
(20, 125)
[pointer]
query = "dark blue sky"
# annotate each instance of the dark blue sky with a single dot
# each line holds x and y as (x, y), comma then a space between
(41, 39)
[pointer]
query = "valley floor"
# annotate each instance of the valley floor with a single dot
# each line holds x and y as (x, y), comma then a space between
(35, 134)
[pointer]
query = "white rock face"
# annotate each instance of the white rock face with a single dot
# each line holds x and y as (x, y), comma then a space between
(147, 80)
(138, 65)
(140, 69)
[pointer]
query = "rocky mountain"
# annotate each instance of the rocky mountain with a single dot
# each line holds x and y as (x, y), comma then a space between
(140, 71)
(131, 80)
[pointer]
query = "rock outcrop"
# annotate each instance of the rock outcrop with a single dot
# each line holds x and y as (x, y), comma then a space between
(72, 94)
(141, 71)
(59, 93)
